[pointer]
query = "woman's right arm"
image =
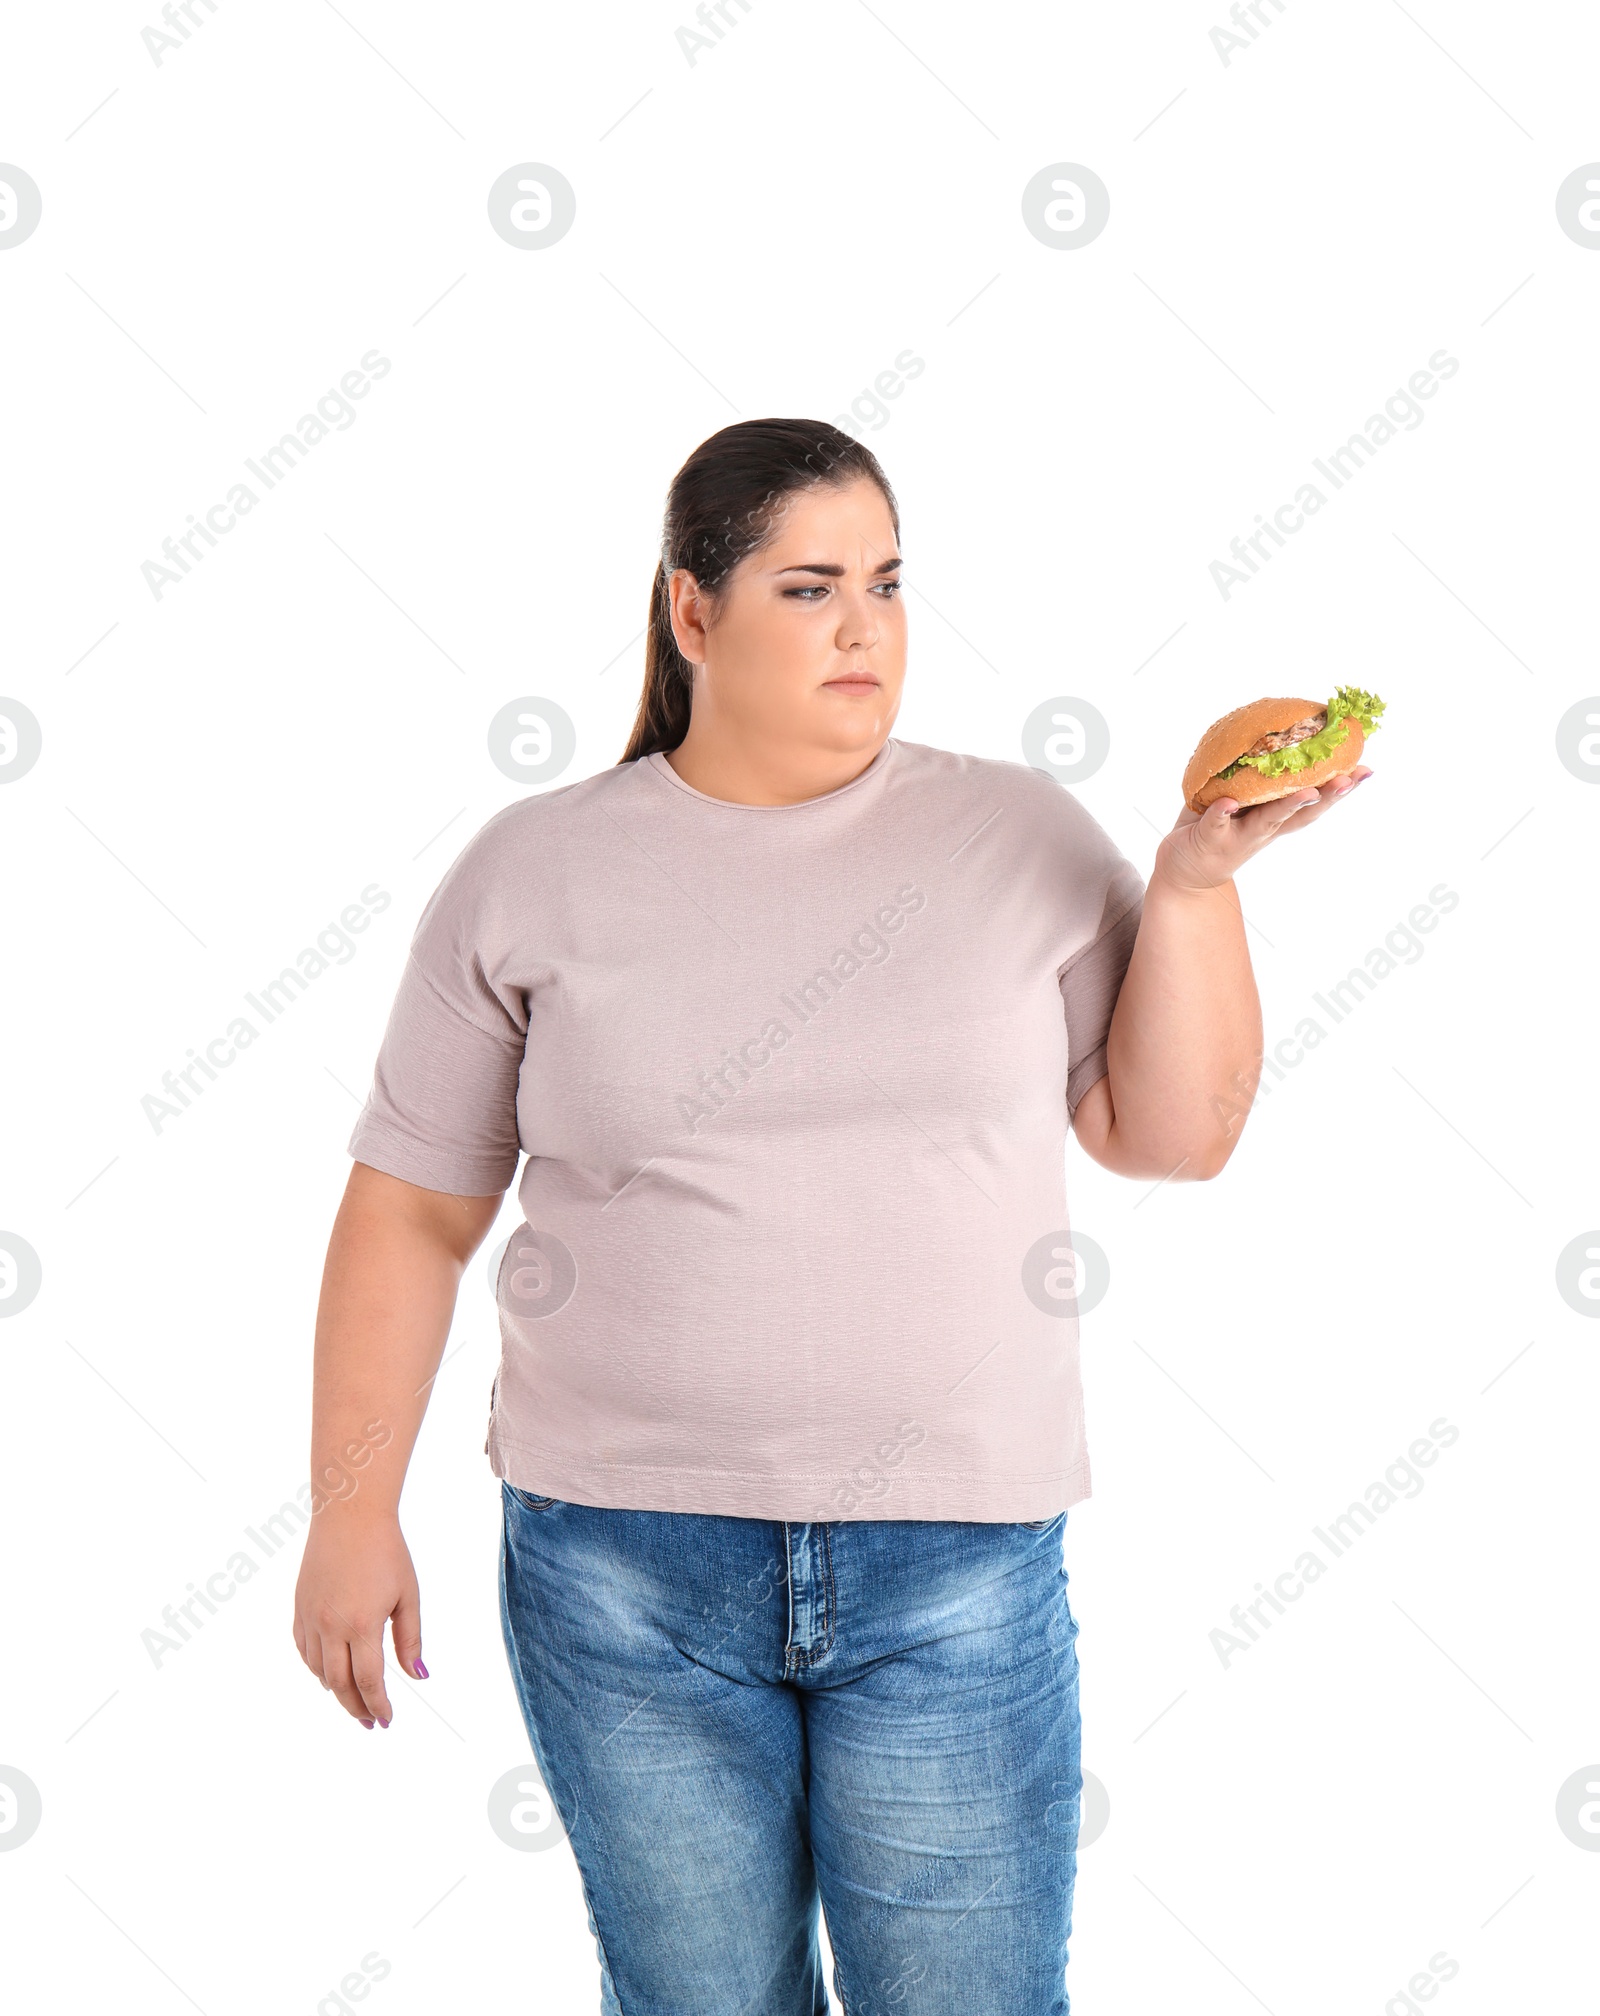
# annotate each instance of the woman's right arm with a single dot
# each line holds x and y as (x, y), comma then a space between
(395, 1261)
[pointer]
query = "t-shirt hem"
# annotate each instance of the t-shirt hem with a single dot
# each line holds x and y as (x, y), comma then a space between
(385, 1148)
(1086, 1073)
(1099, 938)
(984, 1496)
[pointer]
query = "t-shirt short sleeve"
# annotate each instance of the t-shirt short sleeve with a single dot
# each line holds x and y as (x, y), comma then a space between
(1092, 978)
(442, 1112)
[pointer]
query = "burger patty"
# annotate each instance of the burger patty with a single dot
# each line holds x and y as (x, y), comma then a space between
(1286, 738)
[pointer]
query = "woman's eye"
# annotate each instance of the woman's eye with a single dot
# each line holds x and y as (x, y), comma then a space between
(889, 589)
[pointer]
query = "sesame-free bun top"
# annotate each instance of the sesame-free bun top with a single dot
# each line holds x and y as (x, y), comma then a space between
(1232, 736)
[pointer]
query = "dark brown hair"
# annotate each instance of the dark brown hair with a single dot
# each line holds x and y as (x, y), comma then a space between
(723, 505)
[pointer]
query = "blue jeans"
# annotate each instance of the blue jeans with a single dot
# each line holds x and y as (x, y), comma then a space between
(737, 1718)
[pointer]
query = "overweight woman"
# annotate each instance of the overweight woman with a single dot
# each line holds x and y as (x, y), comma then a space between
(790, 1019)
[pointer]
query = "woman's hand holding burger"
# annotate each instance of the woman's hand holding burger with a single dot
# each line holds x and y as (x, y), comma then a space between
(1207, 848)
(1184, 1051)
(1275, 766)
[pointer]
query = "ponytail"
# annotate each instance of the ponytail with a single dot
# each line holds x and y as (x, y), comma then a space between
(663, 717)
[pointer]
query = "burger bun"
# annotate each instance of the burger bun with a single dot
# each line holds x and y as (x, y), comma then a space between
(1233, 735)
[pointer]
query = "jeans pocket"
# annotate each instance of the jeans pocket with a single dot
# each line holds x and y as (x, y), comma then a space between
(1038, 1525)
(530, 1501)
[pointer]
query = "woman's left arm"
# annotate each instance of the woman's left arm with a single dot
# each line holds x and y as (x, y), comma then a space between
(1184, 1048)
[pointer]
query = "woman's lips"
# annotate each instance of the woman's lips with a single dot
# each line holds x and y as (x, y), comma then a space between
(859, 682)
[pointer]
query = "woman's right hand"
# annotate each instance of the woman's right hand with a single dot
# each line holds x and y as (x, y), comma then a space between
(355, 1576)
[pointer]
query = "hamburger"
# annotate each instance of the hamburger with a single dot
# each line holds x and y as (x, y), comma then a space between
(1272, 747)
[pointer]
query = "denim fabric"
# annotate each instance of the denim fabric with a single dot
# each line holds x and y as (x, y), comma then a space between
(736, 1718)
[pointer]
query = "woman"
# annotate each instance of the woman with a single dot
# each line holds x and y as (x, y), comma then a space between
(791, 1019)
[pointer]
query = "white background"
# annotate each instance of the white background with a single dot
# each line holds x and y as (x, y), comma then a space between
(1292, 234)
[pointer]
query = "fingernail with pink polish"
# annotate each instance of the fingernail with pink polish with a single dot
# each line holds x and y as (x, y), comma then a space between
(419, 1669)
(366, 1721)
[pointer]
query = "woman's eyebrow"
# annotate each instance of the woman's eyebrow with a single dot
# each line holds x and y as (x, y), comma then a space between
(820, 567)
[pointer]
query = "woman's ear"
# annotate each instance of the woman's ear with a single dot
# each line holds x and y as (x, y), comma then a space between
(688, 607)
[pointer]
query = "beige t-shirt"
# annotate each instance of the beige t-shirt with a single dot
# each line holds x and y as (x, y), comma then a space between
(793, 1083)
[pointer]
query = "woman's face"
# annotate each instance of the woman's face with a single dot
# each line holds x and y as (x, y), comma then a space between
(808, 646)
